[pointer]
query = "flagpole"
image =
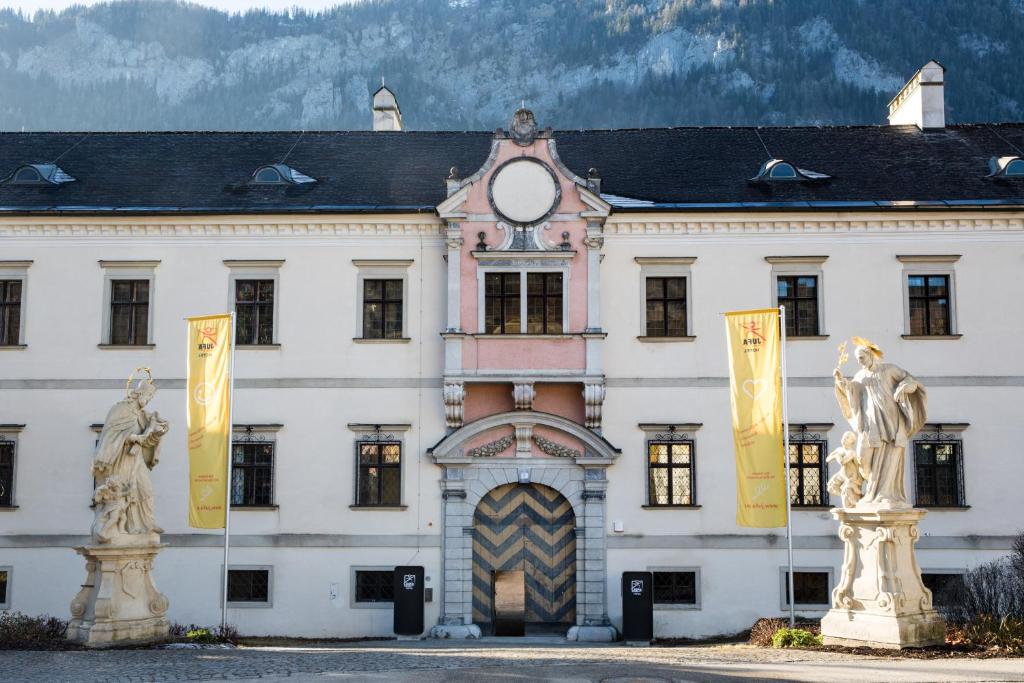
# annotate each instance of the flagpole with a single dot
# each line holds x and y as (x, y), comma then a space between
(785, 452)
(227, 485)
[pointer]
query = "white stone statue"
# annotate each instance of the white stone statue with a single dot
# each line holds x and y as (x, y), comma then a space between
(848, 481)
(885, 406)
(118, 602)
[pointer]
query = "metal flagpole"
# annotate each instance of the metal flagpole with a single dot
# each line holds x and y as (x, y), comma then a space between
(785, 452)
(227, 484)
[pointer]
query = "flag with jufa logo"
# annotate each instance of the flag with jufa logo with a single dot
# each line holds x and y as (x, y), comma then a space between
(755, 388)
(209, 419)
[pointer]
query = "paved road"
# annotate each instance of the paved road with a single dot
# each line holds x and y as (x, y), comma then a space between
(490, 660)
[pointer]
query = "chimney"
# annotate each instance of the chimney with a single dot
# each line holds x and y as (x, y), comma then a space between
(386, 114)
(922, 100)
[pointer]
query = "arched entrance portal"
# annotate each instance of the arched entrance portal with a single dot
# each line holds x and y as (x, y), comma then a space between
(532, 529)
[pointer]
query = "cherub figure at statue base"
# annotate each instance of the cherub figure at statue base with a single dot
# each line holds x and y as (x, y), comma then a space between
(847, 482)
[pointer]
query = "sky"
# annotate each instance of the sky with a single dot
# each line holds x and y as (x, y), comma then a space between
(30, 6)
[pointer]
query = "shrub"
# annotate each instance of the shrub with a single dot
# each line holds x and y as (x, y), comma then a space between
(795, 637)
(994, 589)
(763, 629)
(21, 632)
(987, 632)
(202, 635)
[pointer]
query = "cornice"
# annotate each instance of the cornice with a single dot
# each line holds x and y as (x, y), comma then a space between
(620, 224)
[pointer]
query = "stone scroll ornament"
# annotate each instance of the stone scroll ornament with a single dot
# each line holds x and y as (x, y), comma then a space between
(118, 602)
(880, 599)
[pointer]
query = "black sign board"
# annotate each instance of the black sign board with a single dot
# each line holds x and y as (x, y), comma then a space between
(408, 601)
(637, 606)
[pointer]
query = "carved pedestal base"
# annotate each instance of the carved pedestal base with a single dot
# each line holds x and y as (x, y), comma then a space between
(118, 602)
(880, 600)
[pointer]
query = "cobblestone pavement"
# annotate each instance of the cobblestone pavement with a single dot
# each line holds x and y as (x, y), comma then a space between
(489, 660)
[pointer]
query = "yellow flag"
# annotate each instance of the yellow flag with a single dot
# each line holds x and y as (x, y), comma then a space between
(756, 393)
(209, 419)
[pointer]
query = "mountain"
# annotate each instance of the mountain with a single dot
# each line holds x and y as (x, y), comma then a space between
(467, 64)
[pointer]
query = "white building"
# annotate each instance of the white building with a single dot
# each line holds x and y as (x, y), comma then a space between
(476, 374)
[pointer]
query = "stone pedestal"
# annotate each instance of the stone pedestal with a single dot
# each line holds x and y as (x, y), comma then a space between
(118, 603)
(880, 600)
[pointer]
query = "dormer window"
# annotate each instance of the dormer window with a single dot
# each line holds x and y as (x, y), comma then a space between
(1006, 167)
(38, 174)
(778, 169)
(279, 174)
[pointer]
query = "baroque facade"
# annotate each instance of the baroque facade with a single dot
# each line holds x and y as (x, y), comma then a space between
(517, 368)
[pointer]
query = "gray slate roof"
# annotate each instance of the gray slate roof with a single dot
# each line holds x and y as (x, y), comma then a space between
(364, 171)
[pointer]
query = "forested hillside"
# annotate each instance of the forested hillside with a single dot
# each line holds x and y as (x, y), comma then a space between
(466, 64)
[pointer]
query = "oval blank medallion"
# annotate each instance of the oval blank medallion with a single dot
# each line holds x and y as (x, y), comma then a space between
(524, 191)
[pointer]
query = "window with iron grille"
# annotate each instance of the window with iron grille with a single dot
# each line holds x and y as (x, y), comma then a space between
(254, 312)
(501, 303)
(544, 303)
(670, 472)
(252, 473)
(938, 467)
(799, 294)
(666, 306)
(375, 585)
(380, 473)
(807, 473)
(10, 312)
(382, 309)
(5, 575)
(810, 588)
(929, 305)
(675, 588)
(942, 585)
(129, 312)
(248, 585)
(6, 473)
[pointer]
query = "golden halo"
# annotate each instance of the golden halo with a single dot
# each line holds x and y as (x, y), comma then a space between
(869, 345)
(128, 383)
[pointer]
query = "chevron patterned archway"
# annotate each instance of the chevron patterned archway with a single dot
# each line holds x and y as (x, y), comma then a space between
(531, 528)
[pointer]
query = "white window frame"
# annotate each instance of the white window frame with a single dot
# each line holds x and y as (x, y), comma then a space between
(930, 264)
(6, 604)
(697, 590)
(352, 587)
(10, 433)
(260, 269)
(251, 605)
(128, 270)
(666, 266)
(18, 270)
(815, 607)
(564, 268)
(651, 433)
(372, 433)
(382, 269)
(796, 266)
(268, 434)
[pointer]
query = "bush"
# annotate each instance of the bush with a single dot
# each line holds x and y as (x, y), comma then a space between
(993, 589)
(763, 629)
(795, 637)
(201, 635)
(989, 633)
(21, 632)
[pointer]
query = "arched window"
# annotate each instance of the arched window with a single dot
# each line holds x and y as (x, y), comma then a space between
(1015, 168)
(27, 175)
(782, 170)
(268, 175)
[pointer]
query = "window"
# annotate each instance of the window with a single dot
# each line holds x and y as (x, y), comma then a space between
(382, 309)
(129, 312)
(942, 584)
(249, 586)
(938, 470)
(375, 585)
(5, 587)
(10, 312)
(670, 472)
(6, 472)
(666, 306)
(777, 169)
(929, 304)
(252, 473)
(675, 587)
(799, 294)
(380, 473)
(812, 588)
(254, 312)
(807, 472)
(544, 303)
(502, 303)
(27, 176)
